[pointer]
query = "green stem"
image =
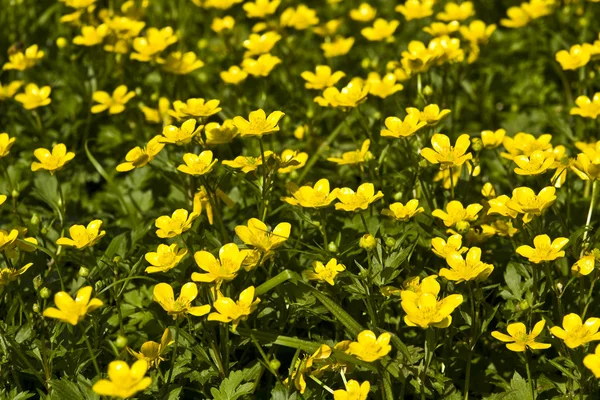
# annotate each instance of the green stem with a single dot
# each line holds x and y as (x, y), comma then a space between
(529, 379)
(324, 229)
(89, 347)
(364, 221)
(176, 340)
(584, 245)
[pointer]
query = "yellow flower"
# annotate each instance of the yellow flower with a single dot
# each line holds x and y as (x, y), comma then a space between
(456, 12)
(576, 57)
(300, 18)
(340, 46)
(224, 269)
(430, 114)
(416, 9)
(148, 47)
(364, 13)
(290, 160)
(82, 236)
(260, 44)
(442, 29)
(124, 382)
(587, 108)
(303, 366)
(329, 28)
(8, 275)
(492, 139)
(158, 115)
(477, 32)
(359, 200)
(455, 213)
(8, 91)
(138, 157)
(6, 143)
(91, 35)
(592, 362)
(504, 228)
(125, 27)
(175, 225)
(414, 284)
(519, 340)
(260, 8)
(153, 352)
(443, 248)
(466, 269)
(217, 133)
(544, 250)
(79, 3)
(498, 205)
(418, 58)
(322, 77)
(401, 212)
(164, 258)
(72, 310)
(488, 190)
(180, 136)
(575, 332)
(585, 265)
(354, 391)
(517, 18)
(525, 201)
(381, 30)
(197, 108)
(424, 309)
(368, 347)
(350, 96)
(229, 310)
(325, 273)
(446, 49)
(537, 163)
(223, 24)
(318, 196)
(115, 104)
(257, 234)
(233, 75)
(246, 164)
(258, 124)
(525, 144)
(34, 96)
(383, 87)
(51, 161)
(22, 61)
(163, 295)
(262, 66)
(182, 63)
(397, 128)
(8, 238)
(538, 8)
(219, 4)
(197, 165)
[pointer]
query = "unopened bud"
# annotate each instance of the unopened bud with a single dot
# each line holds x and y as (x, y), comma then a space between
(35, 219)
(37, 282)
(61, 42)
(367, 242)
(274, 364)
(390, 241)
(121, 342)
(427, 90)
(36, 308)
(84, 272)
(45, 293)
(463, 227)
(332, 247)
(476, 144)
(14, 193)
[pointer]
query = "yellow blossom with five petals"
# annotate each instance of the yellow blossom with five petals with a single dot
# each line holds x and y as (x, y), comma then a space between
(519, 340)
(72, 310)
(163, 295)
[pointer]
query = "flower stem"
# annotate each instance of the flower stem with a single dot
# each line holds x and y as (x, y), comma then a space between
(531, 383)
(324, 229)
(364, 221)
(584, 245)
(176, 340)
(324, 386)
(93, 357)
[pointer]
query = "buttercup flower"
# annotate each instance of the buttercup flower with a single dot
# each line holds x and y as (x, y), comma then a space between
(350, 96)
(592, 362)
(355, 157)
(6, 143)
(492, 139)
(217, 133)
(91, 35)
(340, 46)
(443, 248)
(51, 161)
(325, 273)
(381, 30)
(180, 136)
(82, 236)
(587, 108)
(148, 47)
(197, 165)
(115, 104)
(418, 58)
(576, 57)
(383, 86)
(124, 382)
(455, 213)
(585, 265)
(158, 115)
(182, 63)
(153, 352)
(585, 168)
(368, 347)
(300, 18)
(258, 124)
(164, 258)
(8, 275)
(544, 250)
(322, 77)
(397, 128)
(519, 340)
(445, 154)
(537, 163)
(290, 160)
(305, 364)
(262, 66)
(525, 201)
(225, 268)
(8, 91)
(498, 205)
(174, 225)
(424, 309)
(261, 8)
(466, 269)
(24, 60)
(575, 332)
(233, 75)
(318, 196)
(72, 310)
(416, 9)
(197, 108)
(260, 44)
(138, 157)
(354, 391)
(223, 24)
(442, 29)
(456, 12)
(257, 234)
(246, 164)
(363, 13)
(525, 144)
(34, 96)
(517, 18)
(232, 311)
(359, 200)
(163, 295)
(401, 212)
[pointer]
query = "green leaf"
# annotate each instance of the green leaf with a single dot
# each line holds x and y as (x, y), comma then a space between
(519, 389)
(63, 389)
(232, 388)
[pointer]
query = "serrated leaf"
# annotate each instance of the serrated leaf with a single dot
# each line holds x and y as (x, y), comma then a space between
(64, 389)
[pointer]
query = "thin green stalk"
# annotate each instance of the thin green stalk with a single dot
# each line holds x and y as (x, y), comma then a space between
(529, 379)
(584, 245)
(89, 347)
(174, 356)
(364, 221)
(324, 386)
(324, 229)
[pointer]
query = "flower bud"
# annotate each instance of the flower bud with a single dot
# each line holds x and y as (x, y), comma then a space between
(367, 242)
(463, 227)
(427, 90)
(35, 219)
(14, 193)
(476, 144)
(332, 247)
(98, 285)
(37, 282)
(398, 196)
(116, 259)
(524, 305)
(44, 230)
(84, 272)
(121, 342)
(274, 364)
(369, 156)
(61, 42)
(36, 308)
(45, 293)
(390, 241)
